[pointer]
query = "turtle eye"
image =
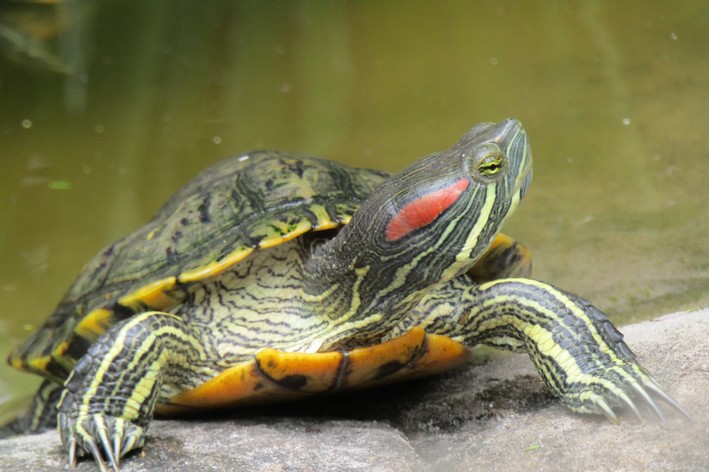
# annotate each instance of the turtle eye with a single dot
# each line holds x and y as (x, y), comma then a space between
(491, 165)
(488, 163)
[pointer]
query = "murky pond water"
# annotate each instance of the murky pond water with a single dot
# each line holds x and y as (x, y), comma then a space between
(107, 107)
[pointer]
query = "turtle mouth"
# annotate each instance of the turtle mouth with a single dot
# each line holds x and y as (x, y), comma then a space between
(524, 177)
(523, 181)
(512, 132)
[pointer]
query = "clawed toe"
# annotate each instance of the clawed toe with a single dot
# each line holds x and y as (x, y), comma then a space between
(661, 394)
(628, 402)
(90, 444)
(649, 401)
(606, 410)
(108, 450)
(107, 439)
(630, 387)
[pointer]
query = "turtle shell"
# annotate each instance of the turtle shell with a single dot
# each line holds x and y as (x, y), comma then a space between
(242, 204)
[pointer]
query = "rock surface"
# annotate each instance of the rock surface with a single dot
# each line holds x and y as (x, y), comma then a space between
(497, 416)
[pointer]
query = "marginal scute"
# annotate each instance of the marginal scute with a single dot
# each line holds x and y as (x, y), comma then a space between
(154, 295)
(275, 375)
(93, 325)
(441, 353)
(323, 221)
(415, 354)
(365, 364)
(344, 212)
(318, 371)
(277, 231)
(38, 364)
(215, 268)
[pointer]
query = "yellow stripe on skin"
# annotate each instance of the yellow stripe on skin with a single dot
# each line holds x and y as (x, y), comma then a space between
(549, 348)
(356, 300)
(403, 272)
(137, 394)
(142, 389)
(463, 257)
(566, 302)
(544, 339)
(338, 329)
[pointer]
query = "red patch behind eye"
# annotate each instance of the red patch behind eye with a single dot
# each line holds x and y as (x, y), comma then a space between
(422, 211)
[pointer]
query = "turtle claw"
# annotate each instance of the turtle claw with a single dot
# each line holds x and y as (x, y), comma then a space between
(93, 448)
(607, 410)
(106, 438)
(628, 402)
(71, 446)
(624, 385)
(106, 444)
(656, 390)
(649, 401)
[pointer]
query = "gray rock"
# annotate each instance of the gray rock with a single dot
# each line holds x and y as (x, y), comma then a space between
(497, 416)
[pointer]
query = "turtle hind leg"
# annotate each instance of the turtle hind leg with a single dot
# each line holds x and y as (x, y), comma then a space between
(578, 352)
(109, 397)
(41, 415)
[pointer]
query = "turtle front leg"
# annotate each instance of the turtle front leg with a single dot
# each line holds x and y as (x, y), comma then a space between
(576, 349)
(109, 397)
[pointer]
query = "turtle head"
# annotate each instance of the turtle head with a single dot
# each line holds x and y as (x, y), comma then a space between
(434, 219)
(442, 212)
(463, 195)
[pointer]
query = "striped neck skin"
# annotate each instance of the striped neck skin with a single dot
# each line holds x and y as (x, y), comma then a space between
(423, 226)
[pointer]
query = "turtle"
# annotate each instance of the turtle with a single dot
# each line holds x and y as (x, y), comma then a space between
(276, 275)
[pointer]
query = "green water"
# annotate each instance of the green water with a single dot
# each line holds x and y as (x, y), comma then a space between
(113, 105)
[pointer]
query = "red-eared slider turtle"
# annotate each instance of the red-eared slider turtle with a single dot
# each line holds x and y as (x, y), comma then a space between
(277, 275)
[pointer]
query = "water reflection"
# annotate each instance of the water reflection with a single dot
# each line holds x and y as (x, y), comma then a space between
(50, 37)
